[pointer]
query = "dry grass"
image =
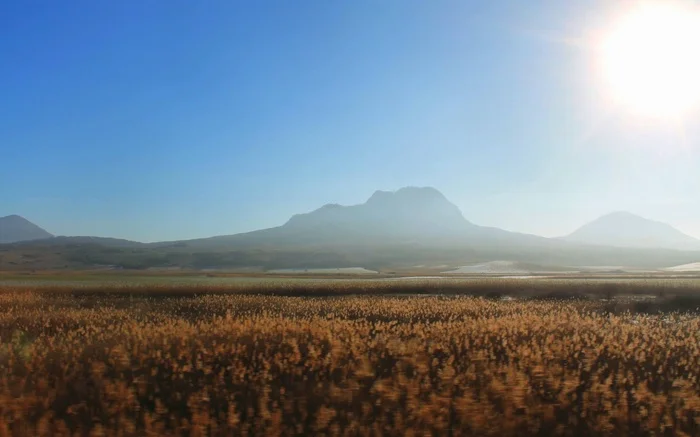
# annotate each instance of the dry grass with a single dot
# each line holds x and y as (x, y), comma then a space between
(487, 287)
(239, 364)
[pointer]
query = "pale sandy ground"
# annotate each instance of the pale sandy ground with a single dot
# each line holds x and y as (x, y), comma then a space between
(501, 268)
(338, 271)
(692, 267)
(494, 267)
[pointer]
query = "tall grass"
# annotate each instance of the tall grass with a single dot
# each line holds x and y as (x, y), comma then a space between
(243, 364)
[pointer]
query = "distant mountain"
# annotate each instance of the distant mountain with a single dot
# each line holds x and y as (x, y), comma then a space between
(411, 212)
(623, 229)
(14, 228)
(411, 215)
(408, 227)
(391, 231)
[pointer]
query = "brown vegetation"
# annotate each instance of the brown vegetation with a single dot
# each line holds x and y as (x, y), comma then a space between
(239, 364)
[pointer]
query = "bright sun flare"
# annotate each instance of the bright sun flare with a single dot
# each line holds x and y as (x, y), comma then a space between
(651, 59)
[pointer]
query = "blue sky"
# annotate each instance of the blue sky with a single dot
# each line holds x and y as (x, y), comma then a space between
(157, 120)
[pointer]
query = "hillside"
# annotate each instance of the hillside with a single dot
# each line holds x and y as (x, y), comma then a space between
(14, 228)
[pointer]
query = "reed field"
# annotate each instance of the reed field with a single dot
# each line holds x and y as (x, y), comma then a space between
(471, 358)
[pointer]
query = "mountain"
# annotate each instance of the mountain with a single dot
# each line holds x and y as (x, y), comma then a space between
(623, 229)
(14, 228)
(391, 231)
(411, 215)
(410, 226)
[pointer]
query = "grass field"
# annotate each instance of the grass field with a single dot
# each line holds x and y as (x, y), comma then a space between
(530, 357)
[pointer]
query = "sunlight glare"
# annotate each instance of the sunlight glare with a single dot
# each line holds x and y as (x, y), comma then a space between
(651, 59)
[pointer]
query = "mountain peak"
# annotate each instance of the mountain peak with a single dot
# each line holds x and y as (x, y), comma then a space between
(412, 212)
(417, 195)
(624, 215)
(625, 229)
(15, 228)
(620, 214)
(412, 190)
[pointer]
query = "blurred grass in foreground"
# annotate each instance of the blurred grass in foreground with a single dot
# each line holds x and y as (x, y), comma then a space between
(351, 358)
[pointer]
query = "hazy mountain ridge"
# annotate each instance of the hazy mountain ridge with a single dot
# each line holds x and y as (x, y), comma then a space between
(411, 212)
(624, 229)
(410, 215)
(61, 240)
(14, 228)
(407, 227)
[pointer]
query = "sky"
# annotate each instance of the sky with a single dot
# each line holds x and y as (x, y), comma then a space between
(173, 119)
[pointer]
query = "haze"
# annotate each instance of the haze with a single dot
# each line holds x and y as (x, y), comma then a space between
(168, 120)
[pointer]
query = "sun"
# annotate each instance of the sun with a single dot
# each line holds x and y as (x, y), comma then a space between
(650, 59)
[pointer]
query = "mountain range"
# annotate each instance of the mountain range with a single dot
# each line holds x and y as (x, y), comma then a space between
(411, 215)
(403, 228)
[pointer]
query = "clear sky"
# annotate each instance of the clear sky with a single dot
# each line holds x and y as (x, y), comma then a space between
(167, 119)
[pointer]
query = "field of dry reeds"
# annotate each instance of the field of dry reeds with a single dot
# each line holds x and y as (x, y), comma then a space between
(357, 360)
